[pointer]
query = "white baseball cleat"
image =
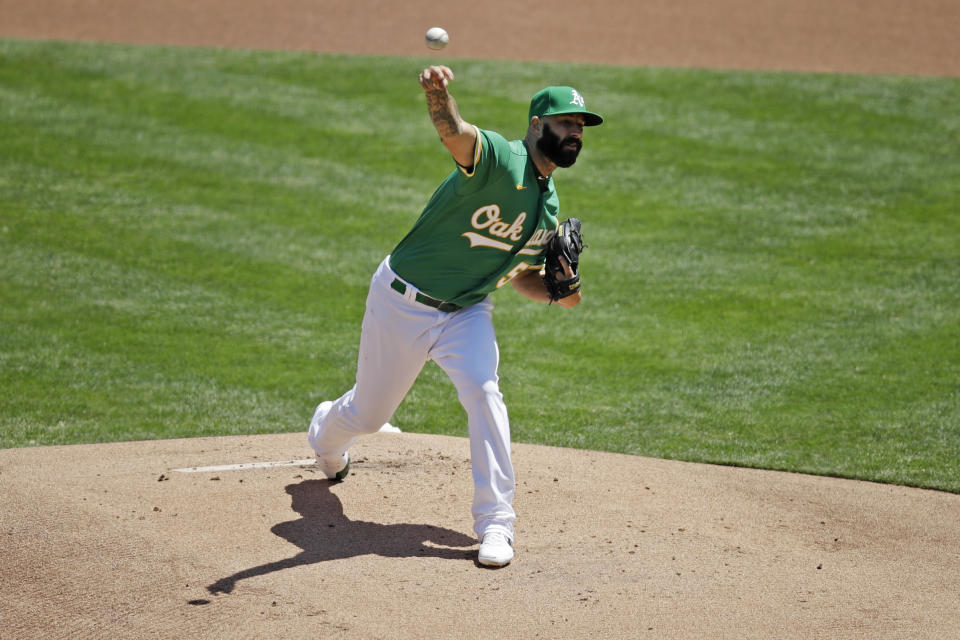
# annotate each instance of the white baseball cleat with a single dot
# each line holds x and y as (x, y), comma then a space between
(496, 550)
(335, 469)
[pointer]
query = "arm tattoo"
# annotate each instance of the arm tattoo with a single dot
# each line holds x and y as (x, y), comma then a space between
(443, 112)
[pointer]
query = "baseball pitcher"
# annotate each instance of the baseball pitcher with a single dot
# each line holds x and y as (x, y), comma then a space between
(492, 222)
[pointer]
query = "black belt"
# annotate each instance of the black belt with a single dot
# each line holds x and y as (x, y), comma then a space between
(400, 287)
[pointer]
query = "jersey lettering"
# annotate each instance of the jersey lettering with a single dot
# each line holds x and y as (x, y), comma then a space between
(541, 237)
(480, 240)
(533, 247)
(488, 218)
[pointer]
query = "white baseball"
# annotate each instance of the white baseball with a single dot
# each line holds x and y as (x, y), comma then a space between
(437, 38)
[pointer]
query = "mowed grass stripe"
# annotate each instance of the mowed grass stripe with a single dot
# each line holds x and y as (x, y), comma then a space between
(154, 354)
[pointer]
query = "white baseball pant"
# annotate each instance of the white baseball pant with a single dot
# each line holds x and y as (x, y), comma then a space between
(399, 336)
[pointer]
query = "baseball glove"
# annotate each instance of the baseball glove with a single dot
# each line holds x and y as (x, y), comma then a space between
(567, 242)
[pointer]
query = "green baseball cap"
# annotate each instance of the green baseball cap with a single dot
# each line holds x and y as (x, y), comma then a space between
(554, 101)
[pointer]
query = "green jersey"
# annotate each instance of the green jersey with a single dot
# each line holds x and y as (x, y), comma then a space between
(482, 227)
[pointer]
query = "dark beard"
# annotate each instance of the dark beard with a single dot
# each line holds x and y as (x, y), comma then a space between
(552, 146)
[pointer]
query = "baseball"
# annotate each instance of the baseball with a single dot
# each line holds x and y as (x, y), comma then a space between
(437, 38)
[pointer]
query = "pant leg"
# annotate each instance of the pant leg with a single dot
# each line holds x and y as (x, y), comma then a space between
(394, 346)
(467, 351)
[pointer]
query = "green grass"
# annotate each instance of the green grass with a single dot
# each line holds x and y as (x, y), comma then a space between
(772, 278)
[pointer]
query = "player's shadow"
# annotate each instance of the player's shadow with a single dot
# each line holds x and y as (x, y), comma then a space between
(325, 533)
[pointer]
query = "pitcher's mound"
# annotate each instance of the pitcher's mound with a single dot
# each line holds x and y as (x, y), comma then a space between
(236, 537)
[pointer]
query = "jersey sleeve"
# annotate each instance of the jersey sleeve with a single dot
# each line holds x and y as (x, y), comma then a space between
(470, 171)
(490, 156)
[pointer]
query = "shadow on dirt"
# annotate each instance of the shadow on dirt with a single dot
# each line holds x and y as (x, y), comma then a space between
(325, 533)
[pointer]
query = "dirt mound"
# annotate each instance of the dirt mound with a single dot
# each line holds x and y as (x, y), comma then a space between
(209, 537)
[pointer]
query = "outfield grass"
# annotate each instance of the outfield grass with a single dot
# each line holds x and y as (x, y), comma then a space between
(772, 278)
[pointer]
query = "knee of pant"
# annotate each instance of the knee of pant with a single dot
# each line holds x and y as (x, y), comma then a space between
(482, 392)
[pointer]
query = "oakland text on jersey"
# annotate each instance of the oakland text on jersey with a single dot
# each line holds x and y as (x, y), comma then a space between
(487, 218)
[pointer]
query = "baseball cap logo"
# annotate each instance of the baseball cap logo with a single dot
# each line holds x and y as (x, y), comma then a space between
(578, 99)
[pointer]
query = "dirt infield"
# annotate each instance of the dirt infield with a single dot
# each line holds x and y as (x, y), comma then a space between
(129, 540)
(868, 36)
(114, 541)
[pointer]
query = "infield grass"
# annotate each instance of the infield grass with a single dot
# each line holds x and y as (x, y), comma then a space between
(772, 278)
